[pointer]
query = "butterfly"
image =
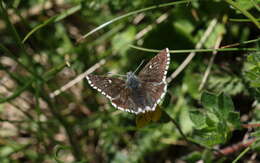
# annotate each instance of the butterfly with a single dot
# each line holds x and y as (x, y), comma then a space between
(137, 93)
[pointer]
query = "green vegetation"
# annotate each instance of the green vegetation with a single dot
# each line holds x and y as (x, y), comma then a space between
(49, 113)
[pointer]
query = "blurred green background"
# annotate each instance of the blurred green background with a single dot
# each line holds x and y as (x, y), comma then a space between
(40, 52)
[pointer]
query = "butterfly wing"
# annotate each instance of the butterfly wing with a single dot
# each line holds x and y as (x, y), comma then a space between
(156, 69)
(110, 87)
(133, 100)
(115, 90)
(153, 77)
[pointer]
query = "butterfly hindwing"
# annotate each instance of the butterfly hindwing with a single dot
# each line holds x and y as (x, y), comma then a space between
(135, 101)
(155, 91)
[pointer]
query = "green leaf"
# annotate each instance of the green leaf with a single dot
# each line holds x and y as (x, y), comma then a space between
(198, 119)
(209, 139)
(211, 120)
(191, 85)
(223, 129)
(246, 5)
(220, 119)
(234, 119)
(209, 100)
(252, 69)
(225, 105)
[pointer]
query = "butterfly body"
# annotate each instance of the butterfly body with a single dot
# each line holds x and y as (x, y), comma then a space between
(132, 81)
(138, 93)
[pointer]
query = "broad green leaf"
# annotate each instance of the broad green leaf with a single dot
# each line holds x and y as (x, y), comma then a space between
(209, 101)
(225, 105)
(252, 69)
(209, 139)
(223, 129)
(211, 120)
(191, 85)
(220, 119)
(245, 4)
(198, 119)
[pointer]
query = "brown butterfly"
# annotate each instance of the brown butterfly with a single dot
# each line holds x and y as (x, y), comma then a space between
(138, 93)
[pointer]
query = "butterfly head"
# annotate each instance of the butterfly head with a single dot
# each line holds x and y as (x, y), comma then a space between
(132, 81)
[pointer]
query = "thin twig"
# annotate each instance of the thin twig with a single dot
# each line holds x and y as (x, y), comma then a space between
(148, 28)
(190, 141)
(241, 43)
(253, 125)
(192, 54)
(13, 121)
(179, 129)
(214, 53)
(78, 78)
(235, 147)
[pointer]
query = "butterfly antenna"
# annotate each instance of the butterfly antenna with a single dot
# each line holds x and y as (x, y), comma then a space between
(110, 73)
(139, 66)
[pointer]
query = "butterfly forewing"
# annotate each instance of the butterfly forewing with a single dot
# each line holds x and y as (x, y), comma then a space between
(110, 87)
(115, 90)
(156, 69)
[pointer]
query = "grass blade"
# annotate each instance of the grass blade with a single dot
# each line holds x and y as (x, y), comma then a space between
(53, 19)
(246, 13)
(130, 14)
